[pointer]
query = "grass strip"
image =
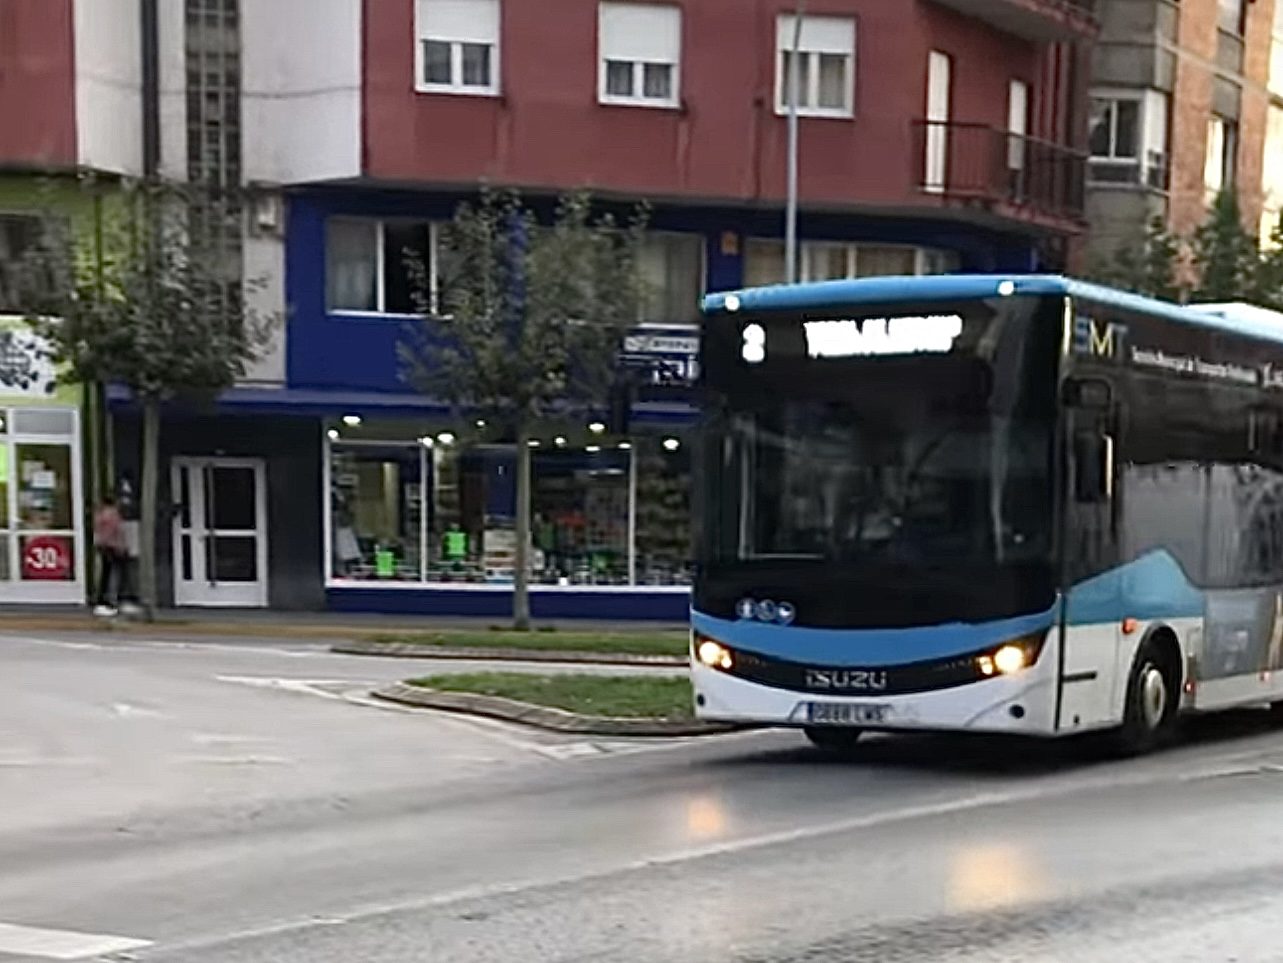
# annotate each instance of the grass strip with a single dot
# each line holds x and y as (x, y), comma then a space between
(624, 697)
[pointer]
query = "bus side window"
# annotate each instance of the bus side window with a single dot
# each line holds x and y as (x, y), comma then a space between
(1092, 466)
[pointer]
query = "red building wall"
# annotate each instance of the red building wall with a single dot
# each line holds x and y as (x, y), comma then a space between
(547, 129)
(37, 83)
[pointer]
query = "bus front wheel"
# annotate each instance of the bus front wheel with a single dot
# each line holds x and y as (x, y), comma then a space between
(1153, 691)
(833, 740)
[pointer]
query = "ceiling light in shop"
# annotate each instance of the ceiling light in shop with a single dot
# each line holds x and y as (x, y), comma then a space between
(596, 427)
(351, 420)
(333, 434)
(446, 437)
(593, 449)
(671, 444)
(625, 445)
(560, 441)
(481, 422)
(534, 443)
(427, 441)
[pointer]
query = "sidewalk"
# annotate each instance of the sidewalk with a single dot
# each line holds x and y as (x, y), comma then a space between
(262, 624)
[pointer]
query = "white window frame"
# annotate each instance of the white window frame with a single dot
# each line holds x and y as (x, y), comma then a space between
(380, 280)
(1153, 108)
(1276, 52)
(823, 31)
(1217, 157)
(1017, 123)
(703, 283)
(457, 37)
(1272, 171)
(939, 107)
(809, 249)
(646, 48)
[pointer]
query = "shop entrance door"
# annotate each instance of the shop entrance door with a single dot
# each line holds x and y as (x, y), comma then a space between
(220, 532)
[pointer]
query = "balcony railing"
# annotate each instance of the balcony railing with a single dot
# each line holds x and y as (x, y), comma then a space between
(1010, 175)
(1034, 19)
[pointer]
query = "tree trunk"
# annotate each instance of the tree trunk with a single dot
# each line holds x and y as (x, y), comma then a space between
(150, 497)
(521, 572)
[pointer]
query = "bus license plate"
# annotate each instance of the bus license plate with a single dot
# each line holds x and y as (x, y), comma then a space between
(845, 714)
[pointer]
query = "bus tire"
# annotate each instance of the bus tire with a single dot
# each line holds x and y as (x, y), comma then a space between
(1153, 698)
(837, 741)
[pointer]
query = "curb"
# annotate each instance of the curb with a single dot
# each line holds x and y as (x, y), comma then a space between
(542, 717)
(409, 650)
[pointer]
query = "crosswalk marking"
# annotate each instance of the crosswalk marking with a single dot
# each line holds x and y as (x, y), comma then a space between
(61, 944)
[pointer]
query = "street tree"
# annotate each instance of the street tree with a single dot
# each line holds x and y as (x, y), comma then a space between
(1226, 257)
(1148, 264)
(155, 304)
(528, 324)
(1267, 283)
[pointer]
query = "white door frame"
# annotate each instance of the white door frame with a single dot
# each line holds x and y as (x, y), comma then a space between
(939, 97)
(200, 590)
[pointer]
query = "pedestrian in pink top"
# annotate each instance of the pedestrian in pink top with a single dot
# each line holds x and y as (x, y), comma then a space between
(109, 540)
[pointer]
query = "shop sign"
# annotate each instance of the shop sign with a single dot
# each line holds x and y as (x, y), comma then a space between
(668, 356)
(46, 558)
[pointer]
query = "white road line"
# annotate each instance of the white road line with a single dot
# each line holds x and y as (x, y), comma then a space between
(62, 944)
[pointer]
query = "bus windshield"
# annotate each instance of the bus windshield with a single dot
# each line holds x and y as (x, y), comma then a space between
(829, 448)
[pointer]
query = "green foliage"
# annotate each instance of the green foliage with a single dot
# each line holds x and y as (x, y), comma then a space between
(1148, 264)
(1225, 261)
(1267, 288)
(531, 315)
(615, 697)
(1225, 255)
(153, 300)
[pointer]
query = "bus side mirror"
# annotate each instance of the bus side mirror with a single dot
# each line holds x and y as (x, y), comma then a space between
(1091, 394)
(1093, 467)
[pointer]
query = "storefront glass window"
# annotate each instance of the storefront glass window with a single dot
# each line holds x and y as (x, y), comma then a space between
(376, 510)
(44, 487)
(664, 548)
(613, 513)
(46, 549)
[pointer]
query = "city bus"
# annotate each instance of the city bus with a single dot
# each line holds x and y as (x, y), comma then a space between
(1023, 505)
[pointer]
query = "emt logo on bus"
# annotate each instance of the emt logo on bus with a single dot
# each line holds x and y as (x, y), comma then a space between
(1104, 339)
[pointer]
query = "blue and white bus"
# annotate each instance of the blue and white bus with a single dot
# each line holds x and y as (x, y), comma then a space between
(995, 504)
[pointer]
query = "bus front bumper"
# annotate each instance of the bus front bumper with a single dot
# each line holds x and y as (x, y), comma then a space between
(1022, 703)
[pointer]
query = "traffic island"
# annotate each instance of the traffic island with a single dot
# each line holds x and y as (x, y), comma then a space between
(579, 704)
(667, 648)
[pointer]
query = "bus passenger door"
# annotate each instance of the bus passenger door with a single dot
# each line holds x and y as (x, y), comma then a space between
(1091, 633)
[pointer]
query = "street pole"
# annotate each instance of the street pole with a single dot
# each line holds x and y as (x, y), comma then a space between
(790, 216)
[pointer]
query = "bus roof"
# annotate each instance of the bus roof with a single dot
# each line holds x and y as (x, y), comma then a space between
(825, 295)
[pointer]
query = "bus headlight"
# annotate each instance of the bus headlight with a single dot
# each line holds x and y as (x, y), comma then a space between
(1009, 659)
(713, 654)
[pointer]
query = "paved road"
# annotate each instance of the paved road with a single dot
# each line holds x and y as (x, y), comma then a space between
(239, 803)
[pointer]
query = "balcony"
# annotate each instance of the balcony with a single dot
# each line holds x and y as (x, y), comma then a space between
(998, 174)
(1044, 20)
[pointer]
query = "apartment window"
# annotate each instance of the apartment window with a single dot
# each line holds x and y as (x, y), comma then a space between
(1222, 155)
(1115, 129)
(672, 271)
(1129, 138)
(1272, 175)
(370, 266)
(825, 68)
(1276, 52)
(458, 46)
(837, 260)
(1232, 16)
(640, 48)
